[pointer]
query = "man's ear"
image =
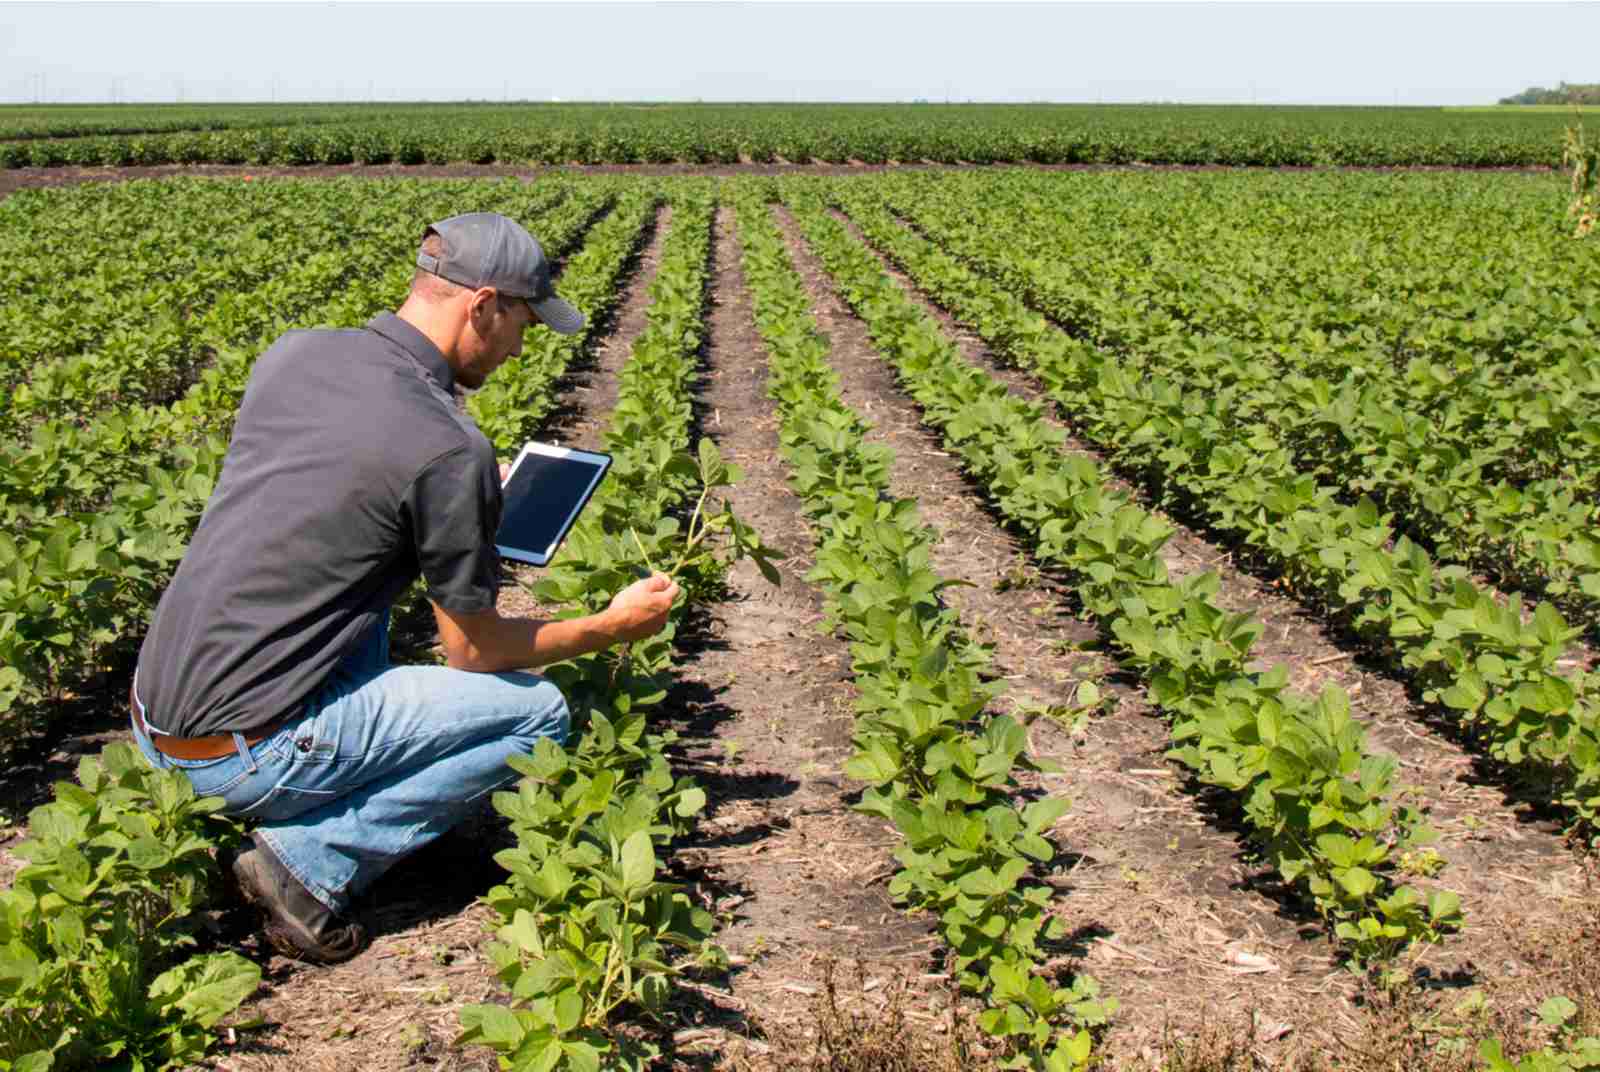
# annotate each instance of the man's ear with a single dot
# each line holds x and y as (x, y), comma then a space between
(481, 308)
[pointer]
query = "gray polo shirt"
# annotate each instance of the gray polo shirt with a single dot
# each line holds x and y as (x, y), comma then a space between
(351, 472)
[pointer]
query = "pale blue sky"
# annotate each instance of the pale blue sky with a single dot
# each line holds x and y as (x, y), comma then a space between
(1290, 53)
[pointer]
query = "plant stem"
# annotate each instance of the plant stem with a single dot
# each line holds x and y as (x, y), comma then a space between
(642, 552)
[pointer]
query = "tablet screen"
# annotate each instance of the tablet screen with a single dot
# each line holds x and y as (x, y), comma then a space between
(543, 495)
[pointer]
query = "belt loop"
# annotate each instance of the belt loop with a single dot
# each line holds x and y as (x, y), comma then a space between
(243, 748)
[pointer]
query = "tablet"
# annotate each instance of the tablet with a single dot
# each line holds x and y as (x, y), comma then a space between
(543, 494)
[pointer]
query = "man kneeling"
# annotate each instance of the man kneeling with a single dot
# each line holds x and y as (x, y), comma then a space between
(351, 473)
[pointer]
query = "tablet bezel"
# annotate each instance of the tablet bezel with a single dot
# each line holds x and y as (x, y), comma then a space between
(601, 464)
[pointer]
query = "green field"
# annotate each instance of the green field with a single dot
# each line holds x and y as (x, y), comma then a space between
(33, 136)
(1186, 400)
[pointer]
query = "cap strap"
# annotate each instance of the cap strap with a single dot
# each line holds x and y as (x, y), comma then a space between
(428, 263)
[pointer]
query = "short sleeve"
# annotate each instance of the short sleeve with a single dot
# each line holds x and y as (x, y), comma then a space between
(454, 510)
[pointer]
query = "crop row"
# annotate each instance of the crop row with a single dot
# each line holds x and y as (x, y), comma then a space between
(1489, 340)
(70, 465)
(78, 120)
(1484, 447)
(85, 241)
(938, 767)
(560, 134)
(588, 930)
(97, 517)
(144, 345)
(1462, 646)
(1316, 800)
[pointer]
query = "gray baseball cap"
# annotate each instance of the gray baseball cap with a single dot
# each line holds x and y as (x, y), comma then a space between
(486, 249)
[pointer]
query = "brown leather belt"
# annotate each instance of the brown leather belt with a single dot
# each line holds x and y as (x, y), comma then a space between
(214, 747)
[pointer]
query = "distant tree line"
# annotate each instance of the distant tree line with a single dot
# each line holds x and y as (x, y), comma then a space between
(1565, 93)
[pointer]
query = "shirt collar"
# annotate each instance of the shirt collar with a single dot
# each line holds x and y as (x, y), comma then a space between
(420, 348)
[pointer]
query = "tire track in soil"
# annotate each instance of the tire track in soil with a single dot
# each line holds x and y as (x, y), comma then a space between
(398, 1003)
(799, 876)
(1153, 893)
(1498, 856)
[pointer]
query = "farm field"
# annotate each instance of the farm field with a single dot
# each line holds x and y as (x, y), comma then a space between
(1183, 655)
(50, 136)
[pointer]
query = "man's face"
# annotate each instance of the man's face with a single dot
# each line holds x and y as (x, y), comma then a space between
(496, 337)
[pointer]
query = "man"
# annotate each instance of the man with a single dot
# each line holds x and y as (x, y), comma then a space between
(351, 473)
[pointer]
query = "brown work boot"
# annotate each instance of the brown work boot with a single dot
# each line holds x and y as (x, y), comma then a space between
(297, 924)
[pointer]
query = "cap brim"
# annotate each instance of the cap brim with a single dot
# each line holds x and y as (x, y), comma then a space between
(559, 316)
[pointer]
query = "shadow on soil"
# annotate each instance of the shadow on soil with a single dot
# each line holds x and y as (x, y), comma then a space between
(46, 741)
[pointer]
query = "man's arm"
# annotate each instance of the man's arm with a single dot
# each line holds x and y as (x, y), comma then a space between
(488, 642)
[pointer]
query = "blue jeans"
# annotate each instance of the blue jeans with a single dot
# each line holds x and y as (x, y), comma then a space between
(383, 760)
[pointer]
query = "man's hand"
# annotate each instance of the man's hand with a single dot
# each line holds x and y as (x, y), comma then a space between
(505, 471)
(640, 610)
(489, 643)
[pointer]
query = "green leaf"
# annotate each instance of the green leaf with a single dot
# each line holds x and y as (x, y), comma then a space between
(638, 861)
(149, 854)
(207, 987)
(1287, 769)
(581, 1057)
(876, 765)
(1444, 907)
(712, 471)
(524, 930)
(1358, 881)
(1043, 813)
(497, 1025)
(569, 1010)
(934, 662)
(690, 803)
(67, 931)
(84, 556)
(1557, 1011)
(1338, 849)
